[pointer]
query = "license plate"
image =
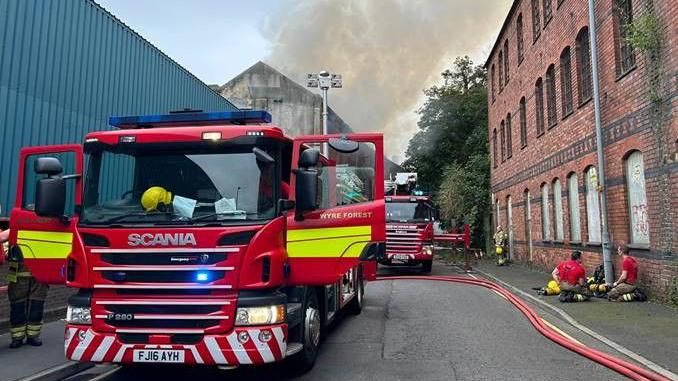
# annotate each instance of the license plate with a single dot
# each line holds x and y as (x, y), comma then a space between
(158, 355)
(401, 258)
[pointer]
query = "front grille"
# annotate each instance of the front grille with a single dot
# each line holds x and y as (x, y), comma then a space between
(133, 338)
(404, 239)
(163, 309)
(170, 259)
(158, 276)
(159, 292)
(163, 323)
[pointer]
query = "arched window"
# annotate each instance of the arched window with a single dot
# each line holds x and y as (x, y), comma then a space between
(573, 201)
(566, 81)
(502, 133)
(548, 12)
(509, 139)
(584, 76)
(536, 20)
(506, 61)
(494, 148)
(528, 215)
(558, 209)
(523, 123)
(501, 70)
(637, 199)
(545, 222)
(623, 52)
(519, 39)
(539, 105)
(494, 83)
(509, 216)
(593, 205)
(551, 114)
(497, 220)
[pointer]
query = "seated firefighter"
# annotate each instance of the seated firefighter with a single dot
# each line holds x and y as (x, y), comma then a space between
(570, 276)
(626, 284)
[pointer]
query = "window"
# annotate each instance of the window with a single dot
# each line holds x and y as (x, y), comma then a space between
(551, 113)
(497, 220)
(519, 39)
(501, 70)
(509, 217)
(558, 209)
(539, 105)
(502, 132)
(624, 55)
(506, 62)
(347, 179)
(637, 199)
(573, 201)
(527, 218)
(545, 222)
(523, 123)
(584, 77)
(566, 81)
(548, 12)
(494, 83)
(68, 162)
(536, 21)
(593, 205)
(509, 140)
(494, 147)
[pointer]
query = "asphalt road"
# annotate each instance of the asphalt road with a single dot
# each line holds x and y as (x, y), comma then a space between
(417, 330)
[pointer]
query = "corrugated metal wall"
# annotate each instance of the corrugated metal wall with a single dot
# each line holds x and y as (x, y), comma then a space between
(66, 66)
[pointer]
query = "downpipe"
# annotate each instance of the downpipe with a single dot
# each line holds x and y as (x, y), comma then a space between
(614, 363)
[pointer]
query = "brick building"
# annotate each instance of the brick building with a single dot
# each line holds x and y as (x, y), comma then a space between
(543, 142)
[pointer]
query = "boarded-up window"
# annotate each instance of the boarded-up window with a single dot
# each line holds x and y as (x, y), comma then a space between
(528, 212)
(536, 20)
(573, 201)
(635, 188)
(497, 219)
(593, 205)
(545, 222)
(558, 209)
(519, 39)
(523, 123)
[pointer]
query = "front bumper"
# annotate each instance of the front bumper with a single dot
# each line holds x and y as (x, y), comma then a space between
(83, 344)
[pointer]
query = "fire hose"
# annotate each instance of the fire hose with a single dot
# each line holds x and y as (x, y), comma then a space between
(618, 365)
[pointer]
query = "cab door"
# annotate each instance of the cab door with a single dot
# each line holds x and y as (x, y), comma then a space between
(344, 225)
(44, 242)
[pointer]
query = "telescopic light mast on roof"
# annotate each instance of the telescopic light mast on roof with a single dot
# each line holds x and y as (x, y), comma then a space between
(324, 80)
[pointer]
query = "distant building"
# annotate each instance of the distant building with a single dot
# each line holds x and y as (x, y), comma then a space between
(294, 108)
(542, 135)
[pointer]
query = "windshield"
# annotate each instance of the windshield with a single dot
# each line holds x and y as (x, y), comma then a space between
(407, 211)
(142, 185)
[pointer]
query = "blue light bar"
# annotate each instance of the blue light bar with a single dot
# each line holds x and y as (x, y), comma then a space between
(191, 118)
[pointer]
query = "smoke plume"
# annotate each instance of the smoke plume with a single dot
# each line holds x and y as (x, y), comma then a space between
(388, 51)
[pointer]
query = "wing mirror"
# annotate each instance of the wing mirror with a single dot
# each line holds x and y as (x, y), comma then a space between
(343, 145)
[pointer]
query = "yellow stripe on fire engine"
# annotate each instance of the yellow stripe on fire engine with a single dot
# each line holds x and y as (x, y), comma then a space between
(328, 242)
(45, 245)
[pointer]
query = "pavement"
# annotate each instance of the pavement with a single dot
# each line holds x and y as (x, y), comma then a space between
(407, 330)
(648, 329)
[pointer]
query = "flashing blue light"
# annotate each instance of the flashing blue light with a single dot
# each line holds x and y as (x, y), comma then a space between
(202, 276)
(187, 118)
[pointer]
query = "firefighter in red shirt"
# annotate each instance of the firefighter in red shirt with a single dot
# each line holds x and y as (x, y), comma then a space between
(626, 283)
(571, 275)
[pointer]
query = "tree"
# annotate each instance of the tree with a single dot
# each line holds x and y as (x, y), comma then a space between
(450, 150)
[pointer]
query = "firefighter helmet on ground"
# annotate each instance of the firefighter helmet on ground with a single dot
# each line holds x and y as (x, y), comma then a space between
(154, 197)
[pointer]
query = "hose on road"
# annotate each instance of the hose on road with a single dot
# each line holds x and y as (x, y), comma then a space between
(620, 366)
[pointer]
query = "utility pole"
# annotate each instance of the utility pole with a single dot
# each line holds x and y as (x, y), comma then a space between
(324, 80)
(607, 256)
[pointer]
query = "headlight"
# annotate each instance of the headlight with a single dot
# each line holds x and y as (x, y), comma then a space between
(78, 315)
(260, 315)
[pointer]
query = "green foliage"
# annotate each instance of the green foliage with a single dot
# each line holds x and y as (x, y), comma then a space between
(450, 150)
(644, 33)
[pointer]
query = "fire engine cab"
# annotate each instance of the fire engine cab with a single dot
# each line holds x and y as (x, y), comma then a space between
(409, 224)
(202, 238)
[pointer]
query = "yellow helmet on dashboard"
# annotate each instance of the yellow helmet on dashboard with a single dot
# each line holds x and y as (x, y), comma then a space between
(154, 196)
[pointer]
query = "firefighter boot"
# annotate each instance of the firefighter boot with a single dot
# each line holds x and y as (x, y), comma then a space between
(18, 334)
(35, 311)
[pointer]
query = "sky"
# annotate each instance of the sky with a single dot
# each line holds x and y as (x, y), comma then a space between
(388, 51)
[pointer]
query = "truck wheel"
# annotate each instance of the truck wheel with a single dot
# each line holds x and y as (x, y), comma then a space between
(355, 306)
(310, 329)
(426, 267)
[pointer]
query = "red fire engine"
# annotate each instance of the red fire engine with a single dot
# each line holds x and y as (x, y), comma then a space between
(202, 238)
(409, 217)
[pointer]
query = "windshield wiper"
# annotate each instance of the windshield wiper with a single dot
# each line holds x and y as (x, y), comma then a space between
(229, 213)
(123, 216)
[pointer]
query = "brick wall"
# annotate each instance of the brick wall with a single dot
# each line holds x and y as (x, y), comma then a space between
(631, 121)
